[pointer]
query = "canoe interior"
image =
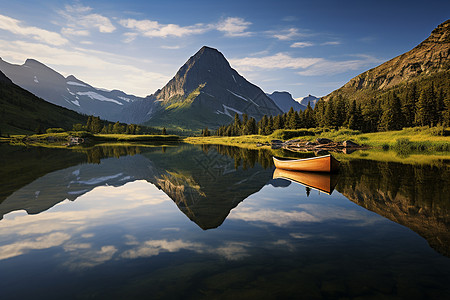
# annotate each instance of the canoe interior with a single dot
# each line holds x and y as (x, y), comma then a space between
(325, 163)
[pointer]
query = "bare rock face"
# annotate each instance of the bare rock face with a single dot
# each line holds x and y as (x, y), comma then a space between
(206, 91)
(430, 56)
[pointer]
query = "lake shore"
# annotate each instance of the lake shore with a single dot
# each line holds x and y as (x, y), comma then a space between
(418, 138)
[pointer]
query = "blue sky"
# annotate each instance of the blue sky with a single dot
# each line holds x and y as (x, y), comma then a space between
(304, 47)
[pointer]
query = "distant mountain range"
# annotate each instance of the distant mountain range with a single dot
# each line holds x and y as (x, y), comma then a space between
(22, 112)
(207, 92)
(285, 101)
(312, 100)
(68, 92)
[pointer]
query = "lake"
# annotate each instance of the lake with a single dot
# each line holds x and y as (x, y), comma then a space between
(211, 222)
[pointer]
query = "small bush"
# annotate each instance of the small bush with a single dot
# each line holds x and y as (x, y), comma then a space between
(385, 147)
(55, 130)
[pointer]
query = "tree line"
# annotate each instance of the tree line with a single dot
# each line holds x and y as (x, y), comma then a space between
(393, 110)
(96, 125)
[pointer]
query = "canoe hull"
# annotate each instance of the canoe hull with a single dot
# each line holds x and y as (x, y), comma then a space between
(326, 163)
(324, 182)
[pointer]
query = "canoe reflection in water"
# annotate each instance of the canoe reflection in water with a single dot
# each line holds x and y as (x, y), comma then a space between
(323, 182)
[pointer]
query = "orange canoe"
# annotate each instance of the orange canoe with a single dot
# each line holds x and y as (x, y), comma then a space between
(326, 163)
(319, 181)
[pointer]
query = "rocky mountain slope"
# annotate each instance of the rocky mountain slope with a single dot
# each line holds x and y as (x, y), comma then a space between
(285, 101)
(68, 92)
(428, 58)
(205, 91)
(22, 112)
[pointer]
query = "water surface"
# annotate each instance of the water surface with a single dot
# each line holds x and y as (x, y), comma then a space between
(197, 222)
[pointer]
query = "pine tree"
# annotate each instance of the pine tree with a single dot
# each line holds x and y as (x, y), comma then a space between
(269, 128)
(164, 132)
(409, 107)
(308, 116)
(424, 107)
(391, 119)
(329, 115)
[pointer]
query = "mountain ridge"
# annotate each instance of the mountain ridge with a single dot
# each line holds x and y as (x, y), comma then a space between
(68, 92)
(429, 57)
(285, 101)
(205, 92)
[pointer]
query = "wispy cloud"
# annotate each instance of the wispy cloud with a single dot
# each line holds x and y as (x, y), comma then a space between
(309, 66)
(171, 47)
(287, 34)
(234, 27)
(277, 61)
(42, 242)
(331, 43)
(231, 27)
(80, 21)
(17, 27)
(149, 28)
(96, 67)
(301, 44)
(329, 67)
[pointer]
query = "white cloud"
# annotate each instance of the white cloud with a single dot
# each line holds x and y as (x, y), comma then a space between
(155, 247)
(98, 68)
(41, 242)
(234, 27)
(331, 43)
(233, 250)
(171, 47)
(231, 27)
(16, 27)
(85, 257)
(74, 32)
(272, 216)
(151, 28)
(328, 67)
(80, 21)
(311, 66)
(302, 45)
(277, 61)
(287, 34)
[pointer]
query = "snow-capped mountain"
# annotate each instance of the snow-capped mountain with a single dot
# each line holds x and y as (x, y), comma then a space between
(206, 91)
(310, 98)
(285, 101)
(68, 92)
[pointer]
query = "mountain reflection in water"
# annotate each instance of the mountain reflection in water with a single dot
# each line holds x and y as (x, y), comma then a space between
(120, 234)
(207, 182)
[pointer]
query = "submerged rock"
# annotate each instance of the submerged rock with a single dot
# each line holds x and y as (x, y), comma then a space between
(323, 141)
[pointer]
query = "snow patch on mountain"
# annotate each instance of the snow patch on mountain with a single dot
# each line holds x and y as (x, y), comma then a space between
(35, 79)
(243, 98)
(95, 96)
(124, 98)
(227, 109)
(76, 102)
(76, 83)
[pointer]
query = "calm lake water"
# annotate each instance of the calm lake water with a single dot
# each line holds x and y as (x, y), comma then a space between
(209, 222)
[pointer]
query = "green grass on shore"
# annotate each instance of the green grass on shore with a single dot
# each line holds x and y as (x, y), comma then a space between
(419, 138)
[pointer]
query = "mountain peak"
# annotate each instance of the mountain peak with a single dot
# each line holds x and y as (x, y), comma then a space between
(32, 62)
